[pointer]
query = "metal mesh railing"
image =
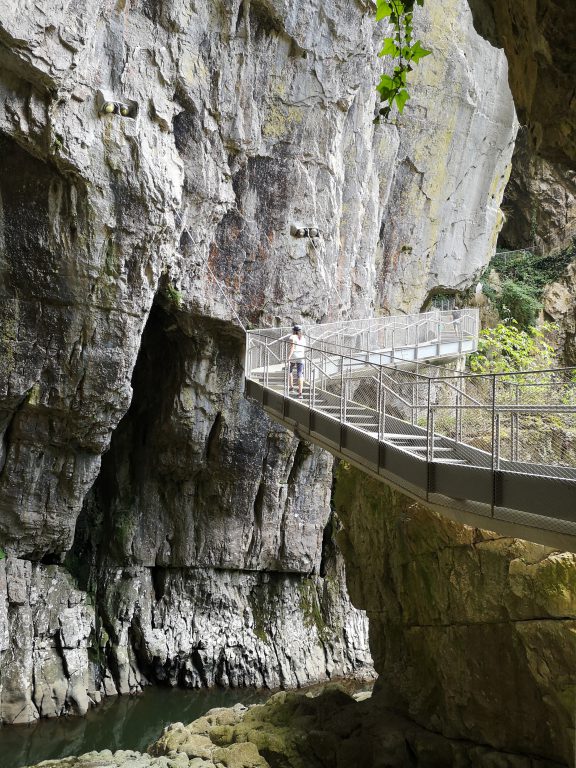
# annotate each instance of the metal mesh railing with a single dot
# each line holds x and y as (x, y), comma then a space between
(520, 422)
(397, 338)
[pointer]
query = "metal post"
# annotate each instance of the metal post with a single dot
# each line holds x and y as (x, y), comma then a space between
(497, 443)
(493, 443)
(379, 405)
(309, 365)
(428, 420)
(313, 388)
(342, 393)
(266, 362)
(517, 431)
(383, 411)
(347, 390)
(513, 425)
(458, 425)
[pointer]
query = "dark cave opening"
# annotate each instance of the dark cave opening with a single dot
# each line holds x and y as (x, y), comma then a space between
(110, 510)
(158, 476)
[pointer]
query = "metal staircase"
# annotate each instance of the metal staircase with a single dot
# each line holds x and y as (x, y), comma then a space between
(495, 451)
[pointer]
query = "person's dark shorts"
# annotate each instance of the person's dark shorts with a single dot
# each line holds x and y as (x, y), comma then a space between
(298, 366)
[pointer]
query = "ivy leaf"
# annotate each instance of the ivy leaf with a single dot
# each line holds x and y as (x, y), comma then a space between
(417, 52)
(383, 9)
(393, 90)
(385, 82)
(399, 78)
(385, 88)
(401, 98)
(389, 48)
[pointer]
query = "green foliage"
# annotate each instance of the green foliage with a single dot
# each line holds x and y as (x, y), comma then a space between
(508, 348)
(518, 302)
(2, 554)
(401, 48)
(524, 275)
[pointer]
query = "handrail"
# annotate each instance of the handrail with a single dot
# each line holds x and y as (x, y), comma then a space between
(459, 393)
(498, 440)
(395, 321)
(381, 353)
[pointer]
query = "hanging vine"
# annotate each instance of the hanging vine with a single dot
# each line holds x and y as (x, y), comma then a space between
(401, 48)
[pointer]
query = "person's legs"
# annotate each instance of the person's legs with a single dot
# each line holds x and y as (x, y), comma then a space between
(300, 378)
(291, 380)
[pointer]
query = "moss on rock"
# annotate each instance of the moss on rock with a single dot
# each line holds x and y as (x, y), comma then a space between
(473, 635)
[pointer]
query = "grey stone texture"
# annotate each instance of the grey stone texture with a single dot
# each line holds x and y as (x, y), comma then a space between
(472, 634)
(538, 41)
(180, 535)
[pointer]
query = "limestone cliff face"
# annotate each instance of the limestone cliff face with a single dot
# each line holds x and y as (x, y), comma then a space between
(180, 535)
(443, 214)
(473, 637)
(538, 38)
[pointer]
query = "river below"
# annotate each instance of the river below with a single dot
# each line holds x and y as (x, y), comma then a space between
(120, 722)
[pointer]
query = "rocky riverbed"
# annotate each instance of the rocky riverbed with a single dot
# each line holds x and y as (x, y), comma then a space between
(327, 728)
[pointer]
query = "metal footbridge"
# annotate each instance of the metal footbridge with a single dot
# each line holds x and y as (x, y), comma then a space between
(495, 451)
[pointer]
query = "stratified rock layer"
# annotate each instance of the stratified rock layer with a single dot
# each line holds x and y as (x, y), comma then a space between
(443, 211)
(473, 636)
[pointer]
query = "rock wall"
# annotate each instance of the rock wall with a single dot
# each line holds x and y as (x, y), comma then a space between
(453, 162)
(473, 635)
(188, 535)
(538, 38)
(540, 202)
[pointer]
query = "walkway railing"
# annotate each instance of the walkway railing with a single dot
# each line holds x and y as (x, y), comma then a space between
(497, 445)
(405, 337)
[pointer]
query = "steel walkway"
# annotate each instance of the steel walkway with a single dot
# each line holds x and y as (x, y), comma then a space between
(493, 451)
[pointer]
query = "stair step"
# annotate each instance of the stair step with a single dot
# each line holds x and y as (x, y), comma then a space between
(362, 417)
(336, 409)
(423, 448)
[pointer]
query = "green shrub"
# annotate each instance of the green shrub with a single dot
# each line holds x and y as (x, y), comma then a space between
(508, 348)
(518, 302)
(524, 275)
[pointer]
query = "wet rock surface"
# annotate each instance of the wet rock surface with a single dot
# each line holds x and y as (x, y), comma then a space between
(473, 635)
(327, 729)
(122, 758)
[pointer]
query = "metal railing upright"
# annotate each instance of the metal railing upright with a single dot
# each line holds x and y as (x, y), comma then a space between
(485, 429)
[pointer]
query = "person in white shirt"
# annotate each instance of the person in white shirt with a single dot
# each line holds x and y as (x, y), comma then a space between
(296, 356)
